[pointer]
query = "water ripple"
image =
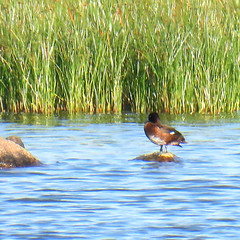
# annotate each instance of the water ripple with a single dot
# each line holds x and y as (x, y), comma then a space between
(89, 188)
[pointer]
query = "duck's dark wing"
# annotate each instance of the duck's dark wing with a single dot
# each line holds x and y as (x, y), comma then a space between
(171, 135)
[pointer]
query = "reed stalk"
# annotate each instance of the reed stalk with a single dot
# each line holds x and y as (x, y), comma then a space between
(104, 56)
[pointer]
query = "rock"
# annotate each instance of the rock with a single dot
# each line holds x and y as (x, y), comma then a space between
(158, 157)
(17, 140)
(12, 154)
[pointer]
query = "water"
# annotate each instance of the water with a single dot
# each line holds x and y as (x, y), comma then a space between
(89, 188)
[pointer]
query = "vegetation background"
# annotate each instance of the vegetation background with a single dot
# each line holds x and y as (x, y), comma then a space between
(101, 56)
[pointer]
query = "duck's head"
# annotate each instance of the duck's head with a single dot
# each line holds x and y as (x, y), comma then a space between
(153, 117)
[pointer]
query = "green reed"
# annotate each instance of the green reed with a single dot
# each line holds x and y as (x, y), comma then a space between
(102, 56)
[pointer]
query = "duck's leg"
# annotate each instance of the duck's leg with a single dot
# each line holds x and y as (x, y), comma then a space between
(166, 148)
(161, 148)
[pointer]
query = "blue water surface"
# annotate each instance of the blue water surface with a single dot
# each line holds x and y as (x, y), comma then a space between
(90, 188)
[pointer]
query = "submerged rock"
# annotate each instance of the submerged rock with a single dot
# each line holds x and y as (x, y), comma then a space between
(158, 157)
(13, 154)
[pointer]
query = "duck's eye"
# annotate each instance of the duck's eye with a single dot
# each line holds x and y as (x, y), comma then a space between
(172, 132)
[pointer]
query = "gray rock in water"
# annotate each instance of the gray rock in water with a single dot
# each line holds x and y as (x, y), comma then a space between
(12, 154)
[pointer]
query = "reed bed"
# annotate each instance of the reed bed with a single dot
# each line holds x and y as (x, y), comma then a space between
(110, 56)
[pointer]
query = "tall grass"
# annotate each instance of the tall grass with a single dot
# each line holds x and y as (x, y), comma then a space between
(101, 56)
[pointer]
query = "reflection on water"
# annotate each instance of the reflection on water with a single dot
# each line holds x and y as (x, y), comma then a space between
(89, 188)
